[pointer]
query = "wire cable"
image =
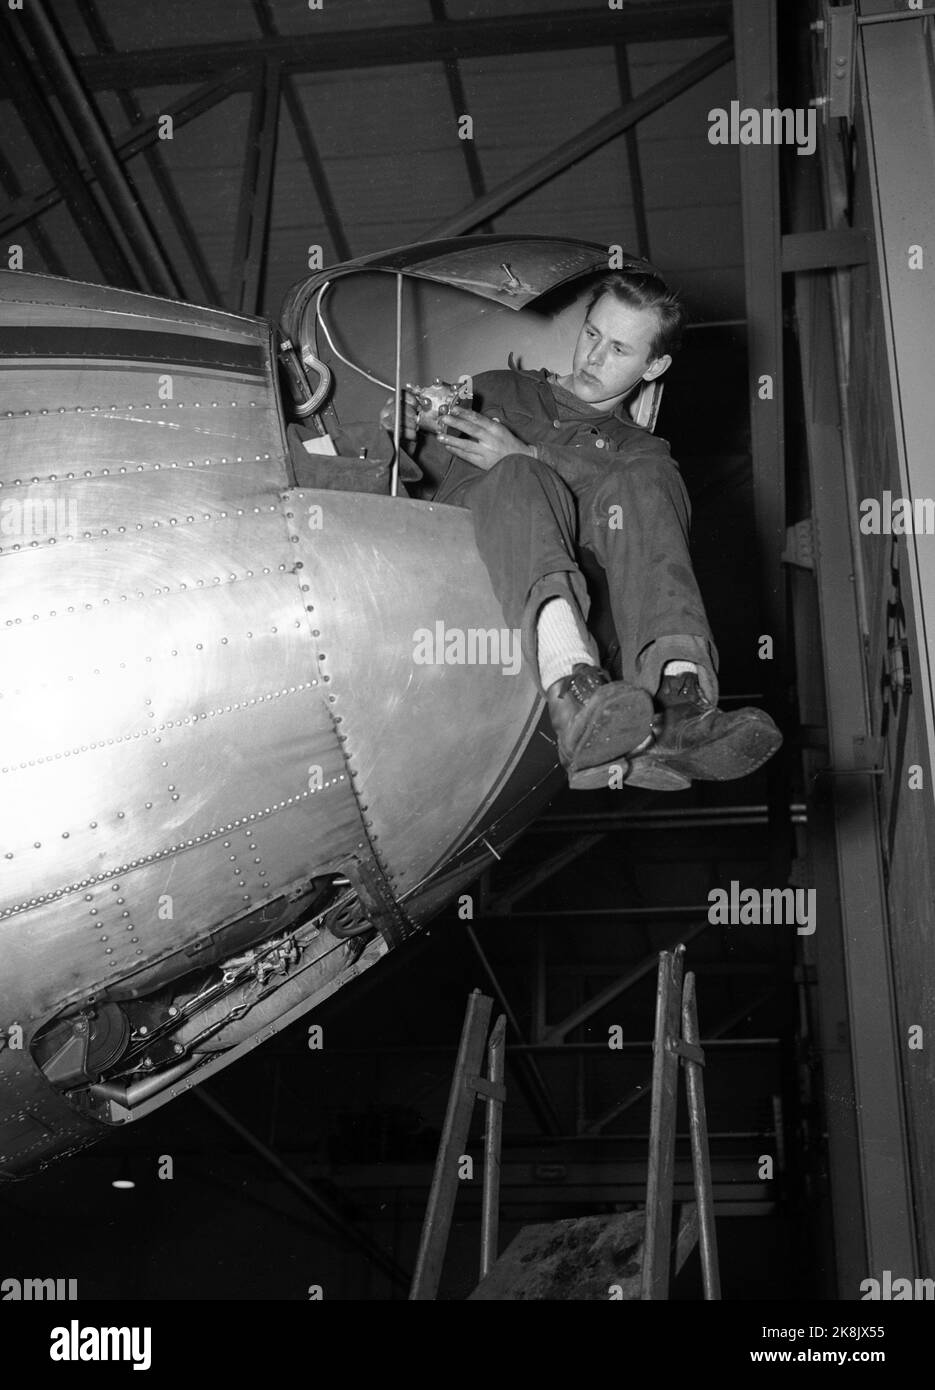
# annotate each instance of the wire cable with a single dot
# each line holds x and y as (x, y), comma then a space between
(339, 355)
(398, 393)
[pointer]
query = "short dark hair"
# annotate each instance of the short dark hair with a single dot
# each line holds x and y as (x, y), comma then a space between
(643, 291)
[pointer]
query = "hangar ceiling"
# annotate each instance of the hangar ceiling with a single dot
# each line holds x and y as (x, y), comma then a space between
(339, 127)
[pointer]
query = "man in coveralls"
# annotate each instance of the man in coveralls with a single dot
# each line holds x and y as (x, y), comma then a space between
(552, 464)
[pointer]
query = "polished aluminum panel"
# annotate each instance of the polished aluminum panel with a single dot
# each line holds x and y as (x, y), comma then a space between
(213, 426)
(426, 742)
(127, 391)
(131, 510)
(44, 583)
(138, 731)
(169, 760)
(49, 299)
(119, 923)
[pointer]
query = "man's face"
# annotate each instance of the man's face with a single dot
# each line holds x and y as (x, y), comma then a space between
(613, 352)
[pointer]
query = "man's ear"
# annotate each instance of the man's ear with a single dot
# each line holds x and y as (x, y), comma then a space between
(657, 367)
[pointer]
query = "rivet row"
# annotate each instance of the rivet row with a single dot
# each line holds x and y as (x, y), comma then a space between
(122, 469)
(171, 849)
(162, 592)
(106, 409)
(160, 728)
(211, 517)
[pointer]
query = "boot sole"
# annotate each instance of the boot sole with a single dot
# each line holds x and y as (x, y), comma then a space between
(618, 719)
(645, 772)
(649, 773)
(735, 754)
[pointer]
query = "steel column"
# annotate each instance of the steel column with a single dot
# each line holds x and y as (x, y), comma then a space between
(307, 144)
(897, 80)
(878, 1103)
(755, 44)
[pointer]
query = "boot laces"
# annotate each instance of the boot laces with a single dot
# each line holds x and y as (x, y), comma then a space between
(583, 682)
(684, 689)
(681, 689)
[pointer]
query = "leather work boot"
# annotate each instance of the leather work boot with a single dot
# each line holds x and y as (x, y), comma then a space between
(597, 720)
(699, 741)
(644, 771)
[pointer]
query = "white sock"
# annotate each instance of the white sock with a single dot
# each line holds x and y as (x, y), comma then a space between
(560, 642)
(679, 668)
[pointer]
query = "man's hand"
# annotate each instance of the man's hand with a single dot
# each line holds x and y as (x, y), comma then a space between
(487, 442)
(409, 412)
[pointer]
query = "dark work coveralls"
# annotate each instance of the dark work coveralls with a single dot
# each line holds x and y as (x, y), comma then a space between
(601, 483)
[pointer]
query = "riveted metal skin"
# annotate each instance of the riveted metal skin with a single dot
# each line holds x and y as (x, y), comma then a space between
(168, 760)
(213, 703)
(426, 741)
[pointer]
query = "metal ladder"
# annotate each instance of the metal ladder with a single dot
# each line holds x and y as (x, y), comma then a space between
(466, 1087)
(675, 1040)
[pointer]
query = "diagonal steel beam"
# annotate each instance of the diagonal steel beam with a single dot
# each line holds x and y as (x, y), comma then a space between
(255, 194)
(331, 1216)
(633, 156)
(319, 50)
(307, 144)
(316, 169)
(642, 1092)
(459, 105)
(501, 904)
(13, 189)
(156, 165)
(41, 121)
(559, 1032)
(91, 132)
(141, 136)
(589, 140)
